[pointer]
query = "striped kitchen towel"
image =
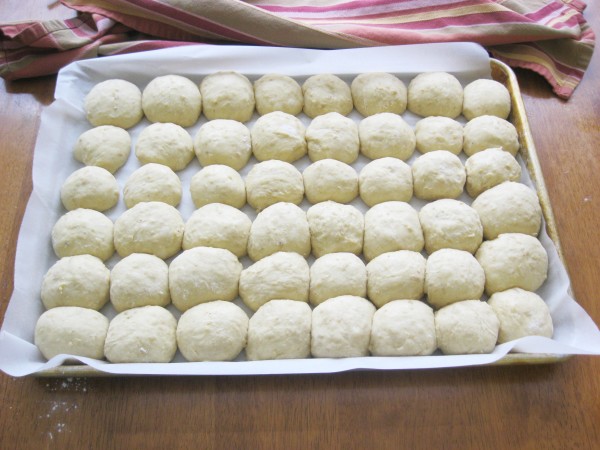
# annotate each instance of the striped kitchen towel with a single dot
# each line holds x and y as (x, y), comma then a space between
(550, 37)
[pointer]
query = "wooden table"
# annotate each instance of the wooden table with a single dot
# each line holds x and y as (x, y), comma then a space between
(518, 407)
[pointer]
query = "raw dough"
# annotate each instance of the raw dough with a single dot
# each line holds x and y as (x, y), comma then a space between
(325, 93)
(384, 180)
(335, 228)
(275, 92)
(438, 174)
(223, 141)
(165, 143)
(386, 134)
(485, 132)
(329, 179)
(486, 97)
(152, 183)
(278, 135)
(218, 184)
(90, 187)
(377, 92)
(227, 95)
(83, 232)
(488, 168)
(336, 274)
(105, 146)
(439, 133)
(333, 136)
(172, 98)
(114, 102)
(435, 94)
(274, 181)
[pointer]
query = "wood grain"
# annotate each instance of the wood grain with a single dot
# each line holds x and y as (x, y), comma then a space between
(516, 407)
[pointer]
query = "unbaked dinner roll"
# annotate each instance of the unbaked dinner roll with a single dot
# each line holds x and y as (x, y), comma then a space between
(280, 329)
(435, 94)
(384, 180)
(488, 168)
(273, 181)
(391, 226)
(341, 327)
(218, 225)
(377, 92)
(486, 97)
(325, 93)
(223, 141)
(335, 227)
(142, 335)
(139, 280)
(71, 330)
(203, 274)
(149, 227)
(104, 146)
(81, 280)
(439, 133)
(83, 232)
(396, 275)
(386, 134)
(438, 174)
(333, 136)
(466, 327)
(336, 274)
(449, 223)
(114, 102)
(213, 331)
(278, 135)
(281, 227)
(509, 208)
(513, 260)
(227, 95)
(451, 276)
(165, 143)
(329, 179)
(152, 183)
(282, 275)
(172, 98)
(276, 92)
(485, 132)
(218, 184)
(90, 187)
(403, 328)
(521, 313)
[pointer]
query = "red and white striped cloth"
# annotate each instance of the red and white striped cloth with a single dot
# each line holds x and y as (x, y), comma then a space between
(550, 37)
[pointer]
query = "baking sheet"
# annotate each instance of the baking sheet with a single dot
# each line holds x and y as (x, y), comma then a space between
(64, 121)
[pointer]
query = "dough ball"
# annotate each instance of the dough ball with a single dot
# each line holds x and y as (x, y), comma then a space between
(149, 227)
(114, 102)
(452, 276)
(435, 94)
(152, 183)
(333, 136)
(341, 327)
(485, 132)
(81, 280)
(165, 143)
(386, 134)
(336, 274)
(105, 146)
(71, 330)
(395, 276)
(450, 223)
(218, 225)
(384, 180)
(227, 95)
(438, 174)
(274, 181)
(278, 135)
(329, 179)
(83, 232)
(224, 142)
(521, 313)
(281, 227)
(203, 274)
(378, 92)
(275, 92)
(439, 133)
(488, 168)
(466, 327)
(486, 97)
(139, 280)
(403, 328)
(509, 208)
(335, 228)
(214, 331)
(142, 335)
(513, 260)
(391, 226)
(282, 275)
(280, 329)
(172, 98)
(325, 93)
(90, 187)
(218, 184)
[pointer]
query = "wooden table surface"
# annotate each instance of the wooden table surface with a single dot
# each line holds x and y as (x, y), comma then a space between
(517, 407)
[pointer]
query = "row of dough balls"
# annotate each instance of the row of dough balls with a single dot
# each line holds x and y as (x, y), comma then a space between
(230, 95)
(344, 326)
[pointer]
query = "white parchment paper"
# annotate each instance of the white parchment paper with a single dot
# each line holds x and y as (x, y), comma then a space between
(64, 121)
